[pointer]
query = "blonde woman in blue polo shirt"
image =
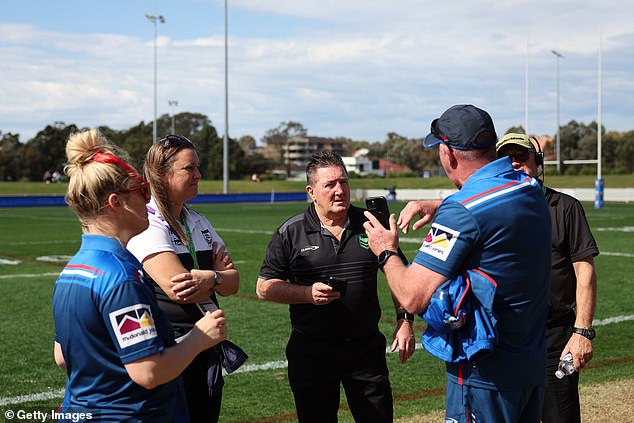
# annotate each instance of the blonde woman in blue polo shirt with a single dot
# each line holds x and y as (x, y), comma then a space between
(112, 339)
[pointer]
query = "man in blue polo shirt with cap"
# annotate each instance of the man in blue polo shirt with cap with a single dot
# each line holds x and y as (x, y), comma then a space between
(497, 225)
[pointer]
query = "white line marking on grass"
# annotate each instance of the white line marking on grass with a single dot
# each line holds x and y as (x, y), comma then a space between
(271, 365)
(244, 231)
(607, 253)
(621, 229)
(248, 368)
(604, 253)
(54, 259)
(9, 262)
(412, 240)
(69, 241)
(29, 275)
(42, 396)
(23, 216)
(610, 320)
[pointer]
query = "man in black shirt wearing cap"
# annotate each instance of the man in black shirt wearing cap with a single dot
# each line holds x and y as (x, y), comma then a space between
(573, 284)
(319, 263)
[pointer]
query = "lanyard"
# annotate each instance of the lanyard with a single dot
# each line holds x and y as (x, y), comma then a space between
(190, 243)
(206, 305)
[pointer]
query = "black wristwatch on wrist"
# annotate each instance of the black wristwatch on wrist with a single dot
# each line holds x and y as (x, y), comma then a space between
(382, 259)
(405, 315)
(586, 332)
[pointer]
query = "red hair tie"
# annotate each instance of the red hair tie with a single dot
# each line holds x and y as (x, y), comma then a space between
(112, 159)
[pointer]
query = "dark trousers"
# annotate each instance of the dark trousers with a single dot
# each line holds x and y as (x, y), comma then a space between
(202, 407)
(561, 401)
(317, 369)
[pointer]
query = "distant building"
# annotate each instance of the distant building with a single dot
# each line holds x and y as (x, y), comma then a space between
(363, 166)
(297, 151)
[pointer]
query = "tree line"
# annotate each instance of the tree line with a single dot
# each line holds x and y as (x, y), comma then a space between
(45, 152)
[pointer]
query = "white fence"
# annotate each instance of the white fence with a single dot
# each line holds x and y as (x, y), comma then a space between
(582, 194)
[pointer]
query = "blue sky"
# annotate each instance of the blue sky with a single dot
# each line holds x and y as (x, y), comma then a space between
(357, 69)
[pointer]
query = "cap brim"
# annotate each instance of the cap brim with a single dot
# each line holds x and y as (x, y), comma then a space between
(513, 141)
(431, 140)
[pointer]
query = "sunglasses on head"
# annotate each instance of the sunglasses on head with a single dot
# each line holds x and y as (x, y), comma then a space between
(175, 141)
(143, 187)
(434, 130)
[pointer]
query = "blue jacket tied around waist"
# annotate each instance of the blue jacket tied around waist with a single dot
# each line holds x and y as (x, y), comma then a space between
(460, 318)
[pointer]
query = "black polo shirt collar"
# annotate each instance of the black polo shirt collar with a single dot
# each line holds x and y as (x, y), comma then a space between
(354, 222)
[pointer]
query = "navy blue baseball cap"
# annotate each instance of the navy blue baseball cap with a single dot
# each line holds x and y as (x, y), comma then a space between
(460, 126)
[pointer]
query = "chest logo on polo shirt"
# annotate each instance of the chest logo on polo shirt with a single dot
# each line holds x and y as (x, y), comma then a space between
(439, 241)
(133, 324)
(363, 241)
(309, 248)
(207, 235)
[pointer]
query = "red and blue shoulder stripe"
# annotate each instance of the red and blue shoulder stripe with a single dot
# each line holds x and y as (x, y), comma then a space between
(496, 192)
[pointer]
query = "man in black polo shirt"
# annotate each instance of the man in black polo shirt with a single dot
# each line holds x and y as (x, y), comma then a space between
(573, 284)
(335, 338)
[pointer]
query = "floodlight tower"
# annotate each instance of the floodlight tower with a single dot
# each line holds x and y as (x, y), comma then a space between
(154, 20)
(225, 140)
(558, 143)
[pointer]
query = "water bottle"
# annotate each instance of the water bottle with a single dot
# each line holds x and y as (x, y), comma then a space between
(566, 367)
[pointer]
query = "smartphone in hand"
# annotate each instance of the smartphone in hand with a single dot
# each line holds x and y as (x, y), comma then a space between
(337, 284)
(379, 208)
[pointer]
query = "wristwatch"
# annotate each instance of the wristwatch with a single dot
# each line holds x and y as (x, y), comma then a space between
(216, 279)
(405, 315)
(386, 254)
(587, 332)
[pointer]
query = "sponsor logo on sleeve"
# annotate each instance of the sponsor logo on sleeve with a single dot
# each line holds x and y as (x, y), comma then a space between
(439, 241)
(133, 324)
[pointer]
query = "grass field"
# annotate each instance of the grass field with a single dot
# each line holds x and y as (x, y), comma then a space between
(36, 242)
(211, 187)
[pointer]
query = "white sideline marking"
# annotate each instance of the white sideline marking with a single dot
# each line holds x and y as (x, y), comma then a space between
(9, 262)
(412, 240)
(54, 259)
(29, 275)
(271, 365)
(42, 396)
(66, 219)
(68, 241)
(248, 368)
(621, 229)
(602, 253)
(607, 253)
(610, 320)
(244, 231)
